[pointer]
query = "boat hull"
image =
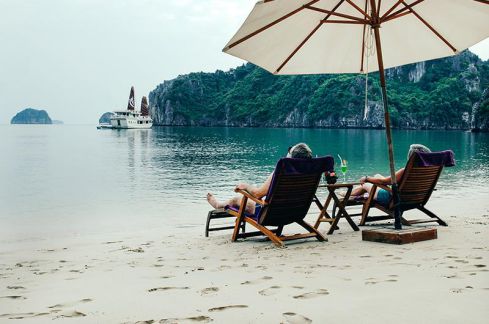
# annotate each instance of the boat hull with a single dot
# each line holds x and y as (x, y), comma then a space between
(125, 122)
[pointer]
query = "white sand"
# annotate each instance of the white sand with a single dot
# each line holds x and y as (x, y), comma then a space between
(184, 277)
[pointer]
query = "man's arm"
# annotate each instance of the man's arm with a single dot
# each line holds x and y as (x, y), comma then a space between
(383, 180)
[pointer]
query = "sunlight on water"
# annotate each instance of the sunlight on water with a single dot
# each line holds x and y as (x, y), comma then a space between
(80, 177)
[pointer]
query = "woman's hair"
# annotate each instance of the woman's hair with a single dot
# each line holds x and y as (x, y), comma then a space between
(300, 151)
(417, 148)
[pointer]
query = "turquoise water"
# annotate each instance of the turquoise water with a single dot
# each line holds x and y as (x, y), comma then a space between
(77, 179)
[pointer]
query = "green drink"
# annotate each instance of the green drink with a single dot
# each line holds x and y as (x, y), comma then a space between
(344, 168)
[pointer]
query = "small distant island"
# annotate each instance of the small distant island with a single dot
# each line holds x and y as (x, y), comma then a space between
(31, 116)
(105, 118)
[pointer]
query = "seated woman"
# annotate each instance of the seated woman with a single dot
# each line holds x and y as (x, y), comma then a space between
(381, 195)
(298, 151)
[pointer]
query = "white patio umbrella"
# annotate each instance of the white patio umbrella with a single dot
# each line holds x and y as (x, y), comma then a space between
(332, 36)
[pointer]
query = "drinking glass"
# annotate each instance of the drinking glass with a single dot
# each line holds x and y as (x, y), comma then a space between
(344, 168)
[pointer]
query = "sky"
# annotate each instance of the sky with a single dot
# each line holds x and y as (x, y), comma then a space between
(78, 58)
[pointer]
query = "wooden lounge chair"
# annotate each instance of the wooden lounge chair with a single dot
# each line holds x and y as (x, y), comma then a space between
(289, 197)
(415, 187)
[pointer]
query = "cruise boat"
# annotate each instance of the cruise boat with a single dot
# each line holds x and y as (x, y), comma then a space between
(131, 118)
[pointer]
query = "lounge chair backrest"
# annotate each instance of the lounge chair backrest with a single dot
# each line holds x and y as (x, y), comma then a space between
(420, 177)
(292, 189)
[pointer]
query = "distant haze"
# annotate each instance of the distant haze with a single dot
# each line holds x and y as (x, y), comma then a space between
(78, 59)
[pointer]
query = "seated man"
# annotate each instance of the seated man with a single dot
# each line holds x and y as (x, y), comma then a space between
(298, 151)
(382, 195)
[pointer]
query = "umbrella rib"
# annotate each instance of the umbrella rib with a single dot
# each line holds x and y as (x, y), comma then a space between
(354, 22)
(298, 47)
(363, 12)
(431, 28)
(363, 21)
(273, 23)
(307, 38)
(405, 9)
(391, 17)
(391, 9)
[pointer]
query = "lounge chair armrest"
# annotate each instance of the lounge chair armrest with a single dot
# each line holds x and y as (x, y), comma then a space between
(342, 185)
(250, 196)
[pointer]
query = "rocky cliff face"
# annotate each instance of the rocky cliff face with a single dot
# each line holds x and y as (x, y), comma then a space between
(437, 94)
(31, 116)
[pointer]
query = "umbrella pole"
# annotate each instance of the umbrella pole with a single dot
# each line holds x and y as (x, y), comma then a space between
(388, 132)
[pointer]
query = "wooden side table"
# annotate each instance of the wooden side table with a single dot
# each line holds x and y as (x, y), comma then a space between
(340, 204)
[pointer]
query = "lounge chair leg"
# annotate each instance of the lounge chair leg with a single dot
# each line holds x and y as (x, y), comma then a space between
(274, 238)
(207, 224)
(311, 229)
(432, 215)
(367, 205)
(239, 219)
(279, 230)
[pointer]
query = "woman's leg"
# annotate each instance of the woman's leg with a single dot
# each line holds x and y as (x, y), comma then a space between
(357, 191)
(235, 201)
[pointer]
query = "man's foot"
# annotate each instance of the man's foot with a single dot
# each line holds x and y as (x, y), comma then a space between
(212, 200)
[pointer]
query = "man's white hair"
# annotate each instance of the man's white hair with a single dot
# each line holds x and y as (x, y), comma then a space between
(417, 148)
(301, 151)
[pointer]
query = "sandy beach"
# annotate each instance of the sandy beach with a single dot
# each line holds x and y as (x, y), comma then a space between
(179, 276)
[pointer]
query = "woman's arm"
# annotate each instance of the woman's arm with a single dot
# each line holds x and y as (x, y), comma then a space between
(258, 192)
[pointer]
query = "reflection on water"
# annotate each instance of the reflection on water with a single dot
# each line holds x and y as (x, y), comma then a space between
(78, 174)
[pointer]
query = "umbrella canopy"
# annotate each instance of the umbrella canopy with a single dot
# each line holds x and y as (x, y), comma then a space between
(328, 36)
(339, 36)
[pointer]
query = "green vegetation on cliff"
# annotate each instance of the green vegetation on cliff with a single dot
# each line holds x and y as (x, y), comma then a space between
(433, 94)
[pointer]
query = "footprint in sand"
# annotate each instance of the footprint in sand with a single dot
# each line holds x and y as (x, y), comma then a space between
(14, 297)
(112, 242)
(166, 288)
(313, 294)
(270, 291)
(71, 314)
(209, 290)
(222, 308)
(200, 319)
(256, 281)
(457, 290)
(84, 300)
(293, 318)
(15, 287)
(22, 315)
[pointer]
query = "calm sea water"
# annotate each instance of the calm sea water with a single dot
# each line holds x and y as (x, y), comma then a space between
(74, 179)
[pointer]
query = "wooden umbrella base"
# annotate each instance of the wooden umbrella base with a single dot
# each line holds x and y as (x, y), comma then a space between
(404, 236)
